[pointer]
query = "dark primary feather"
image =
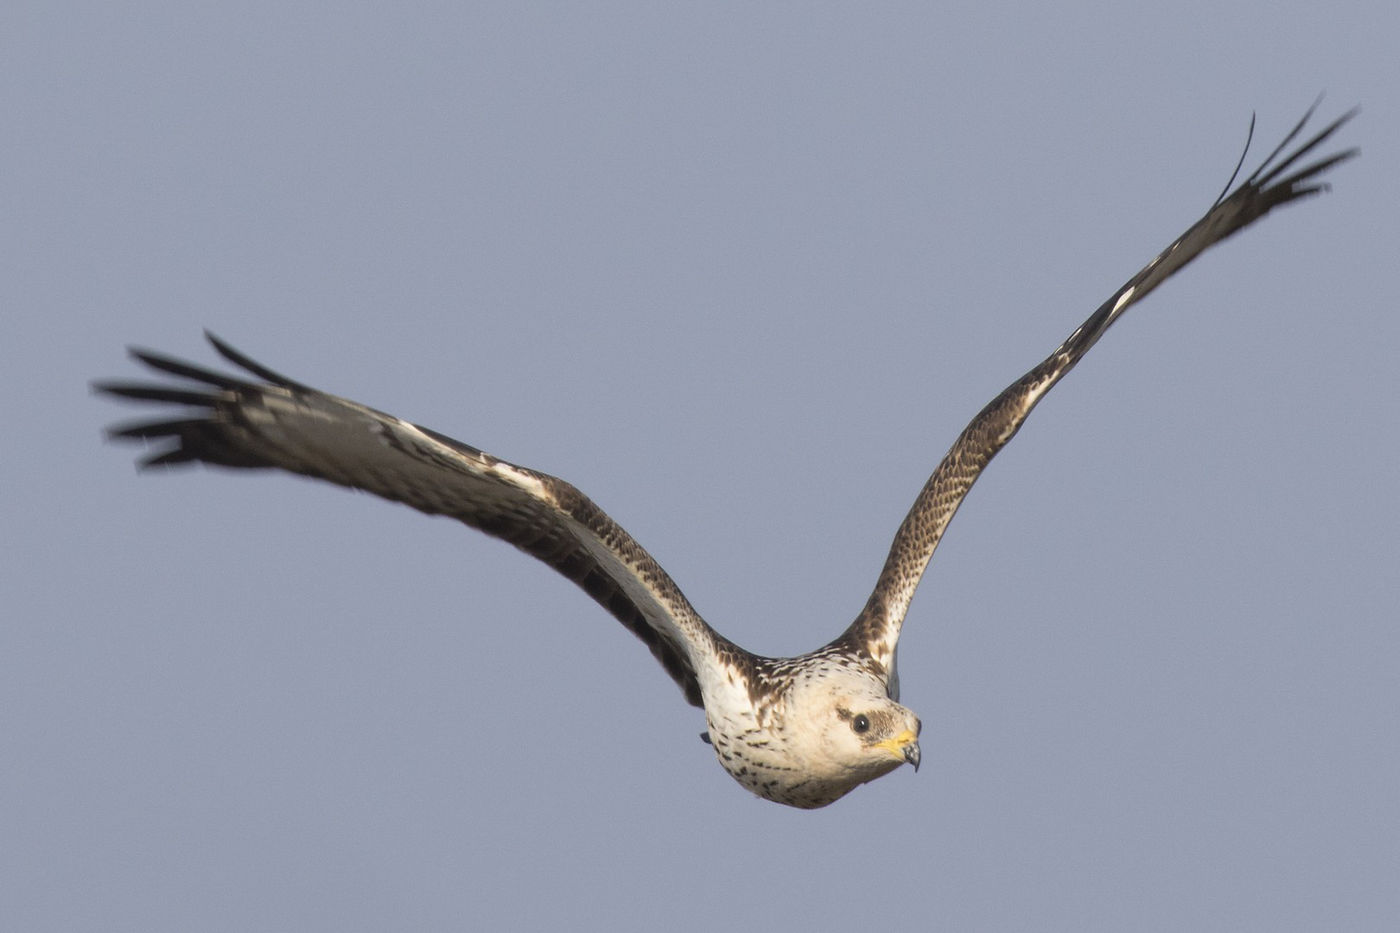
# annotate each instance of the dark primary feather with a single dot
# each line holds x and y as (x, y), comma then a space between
(876, 629)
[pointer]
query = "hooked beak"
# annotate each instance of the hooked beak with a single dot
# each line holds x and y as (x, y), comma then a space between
(904, 746)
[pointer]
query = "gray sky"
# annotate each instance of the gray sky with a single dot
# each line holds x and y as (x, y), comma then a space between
(741, 273)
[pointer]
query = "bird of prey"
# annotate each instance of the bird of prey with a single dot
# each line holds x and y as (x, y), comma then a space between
(802, 731)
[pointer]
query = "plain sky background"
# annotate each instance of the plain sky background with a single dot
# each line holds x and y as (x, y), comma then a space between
(741, 272)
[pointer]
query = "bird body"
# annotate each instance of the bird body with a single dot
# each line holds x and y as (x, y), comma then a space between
(800, 731)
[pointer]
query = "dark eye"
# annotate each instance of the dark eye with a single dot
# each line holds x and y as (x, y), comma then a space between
(860, 724)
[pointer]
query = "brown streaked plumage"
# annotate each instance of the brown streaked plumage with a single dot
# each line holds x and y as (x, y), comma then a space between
(802, 731)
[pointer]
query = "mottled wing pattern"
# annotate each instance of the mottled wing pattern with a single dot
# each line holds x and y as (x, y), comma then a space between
(876, 630)
(280, 423)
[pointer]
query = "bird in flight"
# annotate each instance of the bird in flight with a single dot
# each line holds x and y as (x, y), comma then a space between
(802, 731)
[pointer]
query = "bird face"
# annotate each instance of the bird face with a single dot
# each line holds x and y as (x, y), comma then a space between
(888, 730)
(868, 735)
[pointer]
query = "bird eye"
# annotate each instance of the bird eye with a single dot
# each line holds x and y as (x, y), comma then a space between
(860, 723)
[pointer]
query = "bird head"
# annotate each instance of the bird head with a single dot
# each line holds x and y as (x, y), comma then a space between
(847, 731)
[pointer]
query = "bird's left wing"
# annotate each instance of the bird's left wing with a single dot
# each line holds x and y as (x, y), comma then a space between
(875, 631)
(283, 424)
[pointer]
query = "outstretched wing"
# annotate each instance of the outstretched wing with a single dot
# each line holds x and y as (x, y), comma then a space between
(876, 630)
(284, 424)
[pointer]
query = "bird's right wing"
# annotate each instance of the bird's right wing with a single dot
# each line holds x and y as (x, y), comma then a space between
(280, 423)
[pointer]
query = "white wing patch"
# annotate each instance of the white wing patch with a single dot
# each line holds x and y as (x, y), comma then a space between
(481, 462)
